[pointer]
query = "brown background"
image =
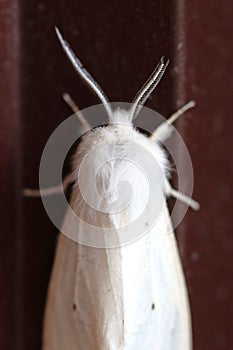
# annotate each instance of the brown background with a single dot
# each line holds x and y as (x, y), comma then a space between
(120, 42)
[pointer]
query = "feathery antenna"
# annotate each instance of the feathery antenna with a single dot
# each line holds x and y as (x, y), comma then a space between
(83, 73)
(146, 90)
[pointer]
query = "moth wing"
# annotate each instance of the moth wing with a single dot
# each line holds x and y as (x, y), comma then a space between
(84, 305)
(156, 307)
(119, 298)
(173, 313)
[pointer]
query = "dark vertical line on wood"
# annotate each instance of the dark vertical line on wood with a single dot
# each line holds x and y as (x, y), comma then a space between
(10, 157)
(180, 96)
(19, 297)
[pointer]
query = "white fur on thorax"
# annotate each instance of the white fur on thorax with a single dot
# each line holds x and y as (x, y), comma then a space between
(116, 147)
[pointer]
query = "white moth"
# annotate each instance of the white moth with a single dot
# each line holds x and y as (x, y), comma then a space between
(130, 297)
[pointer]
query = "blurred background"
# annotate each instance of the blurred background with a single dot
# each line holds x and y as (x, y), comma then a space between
(120, 42)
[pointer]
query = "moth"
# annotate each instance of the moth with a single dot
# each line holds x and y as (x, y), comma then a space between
(131, 296)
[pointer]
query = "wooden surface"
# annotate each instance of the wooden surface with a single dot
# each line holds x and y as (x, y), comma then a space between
(120, 43)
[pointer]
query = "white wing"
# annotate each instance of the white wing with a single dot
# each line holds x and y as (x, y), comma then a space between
(131, 298)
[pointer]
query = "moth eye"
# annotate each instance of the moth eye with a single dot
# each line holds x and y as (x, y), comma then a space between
(143, 131)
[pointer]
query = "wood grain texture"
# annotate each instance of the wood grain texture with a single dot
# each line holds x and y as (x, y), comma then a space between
(120, 42)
